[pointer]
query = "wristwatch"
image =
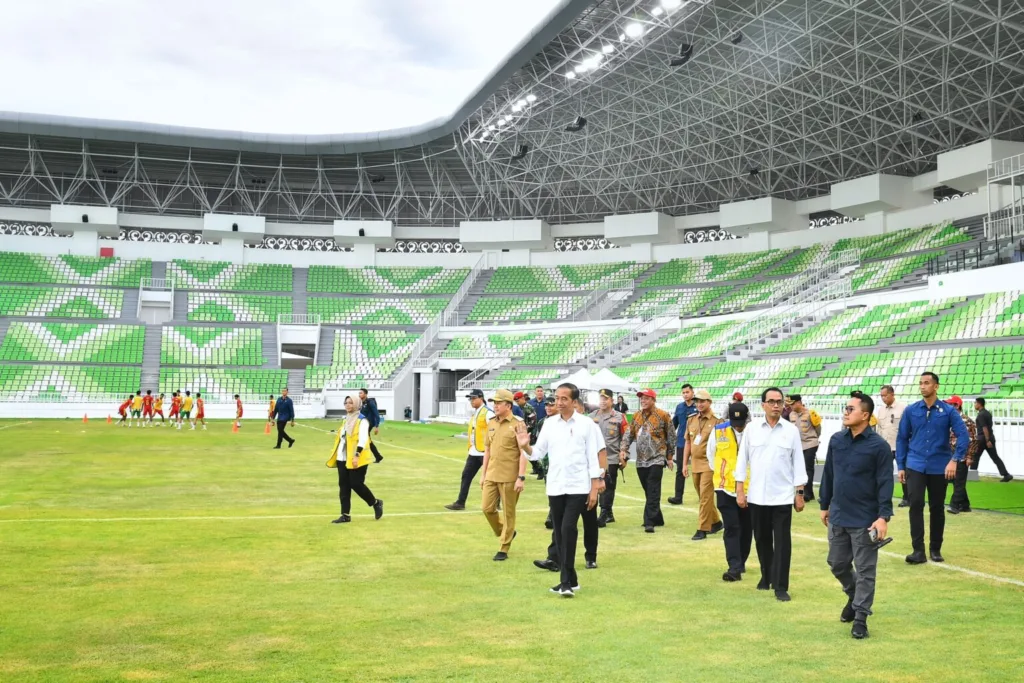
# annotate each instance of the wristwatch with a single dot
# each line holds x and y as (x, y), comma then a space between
(522, 478)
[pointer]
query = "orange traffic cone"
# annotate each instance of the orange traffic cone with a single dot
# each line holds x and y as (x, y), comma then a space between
(234, 427)
(85, 418)
(109, 419)
(266, 429)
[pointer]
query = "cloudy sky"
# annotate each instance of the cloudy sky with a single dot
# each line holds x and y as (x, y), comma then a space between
(301, 66)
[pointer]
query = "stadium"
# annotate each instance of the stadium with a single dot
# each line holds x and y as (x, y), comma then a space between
(823, 196)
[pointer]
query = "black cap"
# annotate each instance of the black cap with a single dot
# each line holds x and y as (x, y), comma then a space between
(607, 393)
(549, 401)
(476, 393)
(738, 412)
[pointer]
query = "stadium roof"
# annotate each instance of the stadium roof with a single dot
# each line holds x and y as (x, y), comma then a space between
(772, 97)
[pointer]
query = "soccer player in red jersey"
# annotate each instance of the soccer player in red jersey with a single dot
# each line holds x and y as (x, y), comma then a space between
(147, 408)
(238, 411)
(122, 410)
(200, 412)
(176, 409)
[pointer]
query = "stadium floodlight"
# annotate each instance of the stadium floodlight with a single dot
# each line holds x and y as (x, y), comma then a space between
(671, 4)
(608, 49)
(484, 135)
(531, 98)
(516, 108)
(685, 52)
(622, 37)
(492, 127)
(581, 68)
(570, 74)
(634, 30)
(657, 11)
(521, 103)
(519, 152)
(502, 121)
(593, 62)
(577, 125)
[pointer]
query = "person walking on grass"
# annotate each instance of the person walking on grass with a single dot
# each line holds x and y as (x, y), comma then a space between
(655, 438)
(808, 423)
(503, 472)
(927, 464)
(573, 445)
(698, 433)
(772, 450)
(284, 413)
(723, 451)
(686, 409)
(477, 434)
(613, 425)
(855, 498)
(959, 501)
(987, 441)
(351, 446)
(369, 409)
(888, 416)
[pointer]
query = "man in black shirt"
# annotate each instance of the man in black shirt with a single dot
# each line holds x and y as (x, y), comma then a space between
(856, 498)
(987, 440)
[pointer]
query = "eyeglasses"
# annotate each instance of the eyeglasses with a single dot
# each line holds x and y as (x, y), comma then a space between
(773, 401)
(849, 409)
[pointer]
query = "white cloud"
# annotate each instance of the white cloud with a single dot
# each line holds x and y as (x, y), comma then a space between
(308, 66)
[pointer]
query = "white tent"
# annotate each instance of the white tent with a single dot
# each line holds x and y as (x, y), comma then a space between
(581, 378)
(604, 379)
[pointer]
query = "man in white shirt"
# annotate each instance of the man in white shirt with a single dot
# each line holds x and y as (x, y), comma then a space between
(771, 448)
(889, 415)
(572, 443)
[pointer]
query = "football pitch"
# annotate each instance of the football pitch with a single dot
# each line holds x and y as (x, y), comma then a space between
(153, 554)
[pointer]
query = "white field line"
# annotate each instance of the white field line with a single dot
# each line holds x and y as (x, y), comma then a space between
(389, 445)
(937, 565)
(16, 424)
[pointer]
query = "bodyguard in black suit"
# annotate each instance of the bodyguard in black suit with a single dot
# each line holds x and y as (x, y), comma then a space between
(370, 412)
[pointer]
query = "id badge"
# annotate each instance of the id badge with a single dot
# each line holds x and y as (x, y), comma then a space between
(696, 442)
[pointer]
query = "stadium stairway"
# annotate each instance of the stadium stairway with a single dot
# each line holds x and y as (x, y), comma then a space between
(297, 381)
(271, 361)
(180, 306)
(793, 328)
(151, 357)
(325, 348)
(4, 324)
(159, 270)
(300, 278)
(130, 307)
(476, 291)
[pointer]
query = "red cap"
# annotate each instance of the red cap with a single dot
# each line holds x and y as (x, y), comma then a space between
(518, 395)
(955, 401)
(737, 396)
(647, 392)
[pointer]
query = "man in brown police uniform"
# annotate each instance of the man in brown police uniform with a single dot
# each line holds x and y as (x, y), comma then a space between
(699, 431)
(504, 471)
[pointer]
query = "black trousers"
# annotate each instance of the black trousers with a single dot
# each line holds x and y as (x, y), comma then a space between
(959, 499)
(772, 525)
(281, 434)
(610, 482)
(373, 449)
(473, 465)
(680, 479)
(810, 457)
(650, 481)
(738, 532)
(902, 486)
(590, 538)
(935, 484)
(350, 481)
(565, 514)
(995, 458)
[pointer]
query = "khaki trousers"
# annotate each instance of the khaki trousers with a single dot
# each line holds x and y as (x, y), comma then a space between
(503, 522)
(708, 513)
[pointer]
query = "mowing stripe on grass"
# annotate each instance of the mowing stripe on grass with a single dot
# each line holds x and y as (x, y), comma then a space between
(937, 565)
(390, 445)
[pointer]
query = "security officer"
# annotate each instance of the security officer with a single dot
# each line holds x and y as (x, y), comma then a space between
(613, 426)
(530, 420)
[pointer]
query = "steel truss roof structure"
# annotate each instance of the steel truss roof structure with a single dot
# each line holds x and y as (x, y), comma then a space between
(779, 97)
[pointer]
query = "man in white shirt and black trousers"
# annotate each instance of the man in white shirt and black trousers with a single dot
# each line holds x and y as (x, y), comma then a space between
(772, 449)
(572, 443)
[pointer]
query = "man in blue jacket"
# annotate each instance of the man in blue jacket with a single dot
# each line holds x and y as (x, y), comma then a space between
(926, 463)
(684, 411)
(284, 412)
(372, 415)
(855, 497)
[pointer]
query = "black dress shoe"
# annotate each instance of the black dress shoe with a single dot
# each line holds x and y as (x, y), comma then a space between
(378, 509)
(500, 557)
(610, 518)
(378, 458)
(1008, 477)
(291, 443)
(699, 536)
(904, 503)
(916, 557)
(936, 556)
(953, 510)
(675, 501)
(782, 596)
(546, 564)
(277, 448)
(455, 506)
(743, 569)
(731, 576)
(848, 614)
(966, 508)
(648, 529)
(591, 564)
(716, 527)
(763, 585)
(859, 630)
(341, 520)
(601, 523)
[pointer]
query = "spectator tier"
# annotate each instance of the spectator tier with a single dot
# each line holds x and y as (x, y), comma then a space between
(361, 355)
(220, 385)
(68, 269)
(59, 302)
(62, 383)
(374, 312)
(991, 317)
(242, 308)
(667, 380)
(212, 346)
(525, 309)
(884, 274)
(534, 348)
(689, 271)
(73, 343)
(525, 279)
(333, 279)
(685, 301)
(225, 276)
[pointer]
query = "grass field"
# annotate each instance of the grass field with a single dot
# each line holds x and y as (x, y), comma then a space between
(164, 555)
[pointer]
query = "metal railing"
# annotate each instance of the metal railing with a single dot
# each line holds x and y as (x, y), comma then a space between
(450, 316)
(472, 380)
(1007, 227)
(158, 284)
(1006, 168)
(298, 319)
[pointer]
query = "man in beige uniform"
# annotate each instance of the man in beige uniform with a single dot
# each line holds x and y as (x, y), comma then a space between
(504, 471)
(699, 431)
(808, 423)
(888, 416)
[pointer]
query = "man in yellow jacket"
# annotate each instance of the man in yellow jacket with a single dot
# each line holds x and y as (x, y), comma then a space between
(723, 449)
(477, 435)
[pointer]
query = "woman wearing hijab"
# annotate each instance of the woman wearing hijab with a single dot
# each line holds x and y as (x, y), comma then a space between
(353, 444)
